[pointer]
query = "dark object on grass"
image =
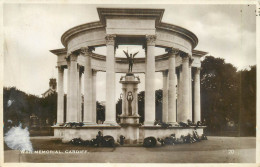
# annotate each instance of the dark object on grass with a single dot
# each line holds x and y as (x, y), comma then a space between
(79, 141)
(93, 142)
(186, 139)
(85, 142)
(196, 136)
(108, 141)
(122, 138)
(192, 139)
(104, 141)
(204, 137)
(170, 140)
(99, 138)
(76, 141)
(189, 139)
(160, 141)
(179, 140)
(149, 142)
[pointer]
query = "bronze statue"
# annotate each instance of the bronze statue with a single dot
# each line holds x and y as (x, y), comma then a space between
(130, 99)
(130, 60)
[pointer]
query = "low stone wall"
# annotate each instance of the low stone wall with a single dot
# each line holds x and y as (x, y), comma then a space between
(85, 132)
(132, 134)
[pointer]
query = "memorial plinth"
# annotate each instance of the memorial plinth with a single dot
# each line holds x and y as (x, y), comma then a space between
(129, 119)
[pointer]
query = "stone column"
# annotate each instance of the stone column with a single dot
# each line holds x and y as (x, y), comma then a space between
(184, 114)
(179, 93)
(68, 89)
(87, 119)
(123, 102)
(79, 95)
(197, 116)
(172, 86)
(110, 80)
(135, 100)
(72, 112)
(149, 81)
(190, 92)
(60, 111)
(77, 90)
(94, 99)
(165, 97)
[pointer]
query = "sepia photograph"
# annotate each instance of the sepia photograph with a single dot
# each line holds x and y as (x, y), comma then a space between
(129, 82)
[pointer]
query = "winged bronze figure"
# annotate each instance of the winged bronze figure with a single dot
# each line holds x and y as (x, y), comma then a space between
(130, 59)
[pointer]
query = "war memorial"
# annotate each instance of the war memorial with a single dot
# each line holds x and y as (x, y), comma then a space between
(180, 67)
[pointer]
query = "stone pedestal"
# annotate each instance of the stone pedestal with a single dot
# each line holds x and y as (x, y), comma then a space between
(129, 119)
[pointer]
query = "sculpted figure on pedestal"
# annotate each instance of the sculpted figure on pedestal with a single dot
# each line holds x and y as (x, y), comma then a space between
(130, 59)
(130, 99)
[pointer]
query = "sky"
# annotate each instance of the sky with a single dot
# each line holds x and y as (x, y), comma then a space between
(31, 30)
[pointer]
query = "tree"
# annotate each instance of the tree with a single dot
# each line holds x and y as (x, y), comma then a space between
(141, 96)
(219, 93)
(48, 109)
(227, 96)
(247, 114)
(158, 105)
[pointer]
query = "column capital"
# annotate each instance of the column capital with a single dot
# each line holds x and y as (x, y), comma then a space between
(190, 60)
(183, 54)
(110, 39)
(173, 51)
(150, 39)
(60, 68)
(71, 56)
(94, 72)
(67, 57)
(165, 73)
(185, 58)
(86, 51)
(198, 69)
